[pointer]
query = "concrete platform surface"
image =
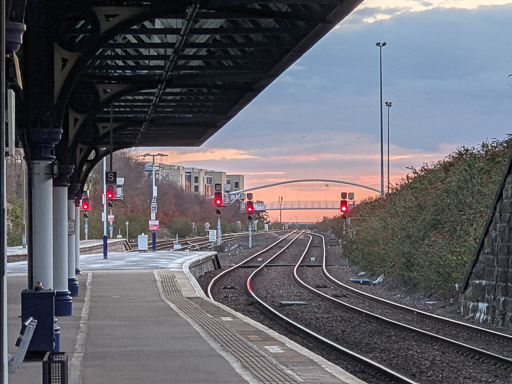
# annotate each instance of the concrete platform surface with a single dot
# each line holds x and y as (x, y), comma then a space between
(152, 326)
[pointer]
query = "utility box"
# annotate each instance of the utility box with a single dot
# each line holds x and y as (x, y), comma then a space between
(142, 242)
(40, 305)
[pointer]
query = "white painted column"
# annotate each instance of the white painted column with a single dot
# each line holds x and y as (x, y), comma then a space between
(42, 223)
(77, 238)
(72, 280)
(63, 301)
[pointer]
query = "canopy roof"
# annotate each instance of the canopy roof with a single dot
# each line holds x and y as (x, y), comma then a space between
(171, 73)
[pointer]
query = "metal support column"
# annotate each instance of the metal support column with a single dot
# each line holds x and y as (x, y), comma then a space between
(4, 358)
(63, 301)
(78, 271)
(42, 222)
(72, 280)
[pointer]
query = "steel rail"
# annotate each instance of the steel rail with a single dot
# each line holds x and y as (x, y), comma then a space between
(500, 359)
(217, 278)
(346, 352)
(417, 312)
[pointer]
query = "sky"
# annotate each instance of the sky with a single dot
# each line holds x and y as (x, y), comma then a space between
(445, 70)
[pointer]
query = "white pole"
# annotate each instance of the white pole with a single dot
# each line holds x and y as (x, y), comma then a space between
(77, 239)
(219, 231)
(72, 281)
(63, 302)
(4, 357)
(250, 234)
(42, 223)
(105, 245)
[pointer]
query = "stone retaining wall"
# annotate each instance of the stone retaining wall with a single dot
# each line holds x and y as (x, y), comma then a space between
(205, 264)
(487, 292)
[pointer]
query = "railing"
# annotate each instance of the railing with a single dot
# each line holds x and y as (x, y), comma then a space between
(296, 205)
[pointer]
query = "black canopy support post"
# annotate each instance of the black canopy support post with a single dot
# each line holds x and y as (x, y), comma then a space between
(3, 223)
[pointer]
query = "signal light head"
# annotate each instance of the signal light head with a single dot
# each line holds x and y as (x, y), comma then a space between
(249, 207)
(218, 199)
(344, 206)
(86, 205)
(110, 193)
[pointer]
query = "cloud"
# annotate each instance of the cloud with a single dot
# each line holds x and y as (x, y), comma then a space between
(445, 70)
(197, 155)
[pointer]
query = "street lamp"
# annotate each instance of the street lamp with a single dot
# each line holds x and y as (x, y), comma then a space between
(389, 104)
(154, 194)
(280, 205)
(380, 45)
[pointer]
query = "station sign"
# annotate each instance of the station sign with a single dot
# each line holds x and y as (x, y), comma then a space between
(154, 225)
(110, 177)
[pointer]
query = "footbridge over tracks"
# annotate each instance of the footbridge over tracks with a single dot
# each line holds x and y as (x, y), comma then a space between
(97, 76)
(301, 205)
(285, 205)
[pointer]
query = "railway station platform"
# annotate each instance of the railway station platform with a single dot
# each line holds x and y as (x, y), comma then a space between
(148, 323)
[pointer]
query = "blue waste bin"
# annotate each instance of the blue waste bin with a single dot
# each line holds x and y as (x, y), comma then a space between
(41, 306)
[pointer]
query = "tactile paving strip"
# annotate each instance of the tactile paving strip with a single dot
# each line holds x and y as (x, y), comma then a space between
(258, 364)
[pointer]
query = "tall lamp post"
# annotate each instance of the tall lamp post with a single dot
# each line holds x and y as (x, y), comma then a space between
(389, 104)
(154, 194)
(380, 45)
(280, 206)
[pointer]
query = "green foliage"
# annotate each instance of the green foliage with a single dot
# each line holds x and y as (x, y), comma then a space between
(177, 209)
(425, 232)
(180, 226)
(15, 223)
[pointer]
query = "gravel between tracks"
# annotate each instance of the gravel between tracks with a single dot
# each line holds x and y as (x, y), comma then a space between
(238, 299)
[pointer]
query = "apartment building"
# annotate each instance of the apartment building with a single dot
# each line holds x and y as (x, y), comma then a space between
(194, 180)
(236, 182)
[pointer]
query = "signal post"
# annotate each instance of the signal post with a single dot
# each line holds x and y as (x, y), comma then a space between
(219, 202)
(249, 208)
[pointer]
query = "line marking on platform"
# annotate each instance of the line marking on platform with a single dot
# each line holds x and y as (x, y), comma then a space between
(77, 361)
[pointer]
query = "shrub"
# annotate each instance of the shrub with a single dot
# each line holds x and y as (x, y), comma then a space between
(425, 232)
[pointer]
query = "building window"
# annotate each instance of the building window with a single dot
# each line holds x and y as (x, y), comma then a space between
(196, 179)
(237, 185)
(196, 188)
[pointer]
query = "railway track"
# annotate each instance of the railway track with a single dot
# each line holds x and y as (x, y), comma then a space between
(356, 361)
(200, 242)
(420, 355)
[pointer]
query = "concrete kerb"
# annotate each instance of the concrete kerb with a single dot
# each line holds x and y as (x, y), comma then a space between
(76, 363)
(192, 263)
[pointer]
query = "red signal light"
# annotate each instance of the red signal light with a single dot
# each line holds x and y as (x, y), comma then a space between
(110, 193)
(344, 206)
(218, 199)
(85, 205)
(249, 207)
